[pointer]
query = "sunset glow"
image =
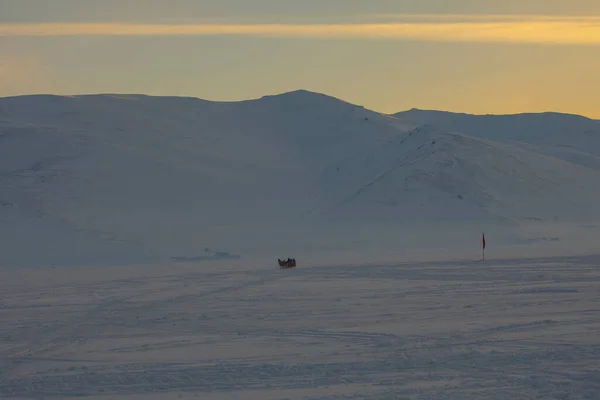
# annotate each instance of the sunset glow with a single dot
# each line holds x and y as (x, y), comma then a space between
(502, 57)
(541, 30)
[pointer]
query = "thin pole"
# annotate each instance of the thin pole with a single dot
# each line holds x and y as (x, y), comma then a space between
(483, 246)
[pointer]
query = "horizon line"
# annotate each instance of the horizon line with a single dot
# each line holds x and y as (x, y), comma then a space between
(123, 96)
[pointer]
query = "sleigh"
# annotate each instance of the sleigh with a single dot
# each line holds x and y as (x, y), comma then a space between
(289, 263)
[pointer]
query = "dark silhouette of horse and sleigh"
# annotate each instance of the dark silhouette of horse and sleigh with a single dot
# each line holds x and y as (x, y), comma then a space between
(285, 264)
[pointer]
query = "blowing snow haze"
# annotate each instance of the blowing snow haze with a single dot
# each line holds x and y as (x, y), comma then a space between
(103, 179)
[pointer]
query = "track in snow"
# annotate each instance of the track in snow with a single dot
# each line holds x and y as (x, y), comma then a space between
(494, 330)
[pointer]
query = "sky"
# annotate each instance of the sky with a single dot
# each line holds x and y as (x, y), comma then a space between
(475, 56)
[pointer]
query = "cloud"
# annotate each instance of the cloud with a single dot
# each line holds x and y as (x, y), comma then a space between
(485, 17)
(439, 28)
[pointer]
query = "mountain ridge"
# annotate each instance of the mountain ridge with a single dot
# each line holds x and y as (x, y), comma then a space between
(139, 177)
(289, 93)
(456, 113)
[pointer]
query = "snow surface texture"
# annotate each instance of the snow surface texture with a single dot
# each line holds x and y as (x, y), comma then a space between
(186, 204)
(501, 329)
(127, 179)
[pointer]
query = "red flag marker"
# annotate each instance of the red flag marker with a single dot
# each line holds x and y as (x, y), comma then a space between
(483, 245)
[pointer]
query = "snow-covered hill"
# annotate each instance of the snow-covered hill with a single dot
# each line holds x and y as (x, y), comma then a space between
(569, 137)
(431, 175)
(134, 178)
(161, 177)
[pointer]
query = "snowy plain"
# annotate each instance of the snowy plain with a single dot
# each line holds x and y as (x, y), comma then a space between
(519, 328)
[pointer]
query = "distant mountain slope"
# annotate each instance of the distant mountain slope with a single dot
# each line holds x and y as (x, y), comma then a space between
(135, 178)
(170, 174)
(570, 137)
(431, 175)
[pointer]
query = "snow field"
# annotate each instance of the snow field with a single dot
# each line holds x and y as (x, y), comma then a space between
(515, 328)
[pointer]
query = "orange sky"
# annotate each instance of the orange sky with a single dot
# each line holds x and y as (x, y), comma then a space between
(386, 56)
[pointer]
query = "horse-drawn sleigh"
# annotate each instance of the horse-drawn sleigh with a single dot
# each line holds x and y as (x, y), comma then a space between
(285, 264)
